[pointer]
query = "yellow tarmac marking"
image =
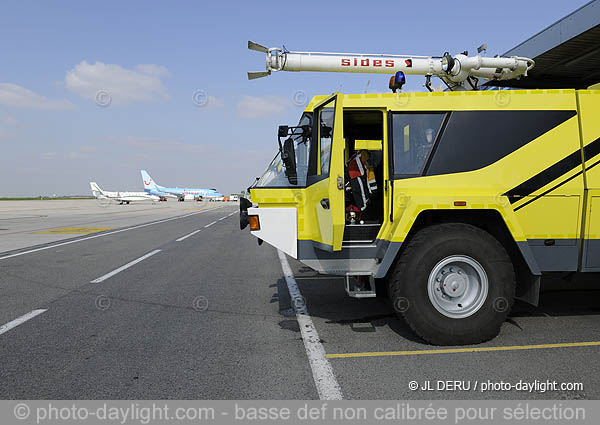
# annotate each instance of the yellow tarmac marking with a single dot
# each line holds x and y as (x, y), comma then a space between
(462, 350)
(76, 230)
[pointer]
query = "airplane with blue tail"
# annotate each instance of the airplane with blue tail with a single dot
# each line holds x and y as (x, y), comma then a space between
(151, 187)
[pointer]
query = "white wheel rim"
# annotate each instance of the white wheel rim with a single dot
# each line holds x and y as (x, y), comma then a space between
(457, 286)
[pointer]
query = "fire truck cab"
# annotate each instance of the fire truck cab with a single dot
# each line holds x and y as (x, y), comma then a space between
(463, 199)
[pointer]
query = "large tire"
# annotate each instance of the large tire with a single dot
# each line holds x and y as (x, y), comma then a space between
(381, 288)
(453, 257)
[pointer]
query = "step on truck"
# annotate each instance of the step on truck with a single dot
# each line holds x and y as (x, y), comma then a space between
(454, 203)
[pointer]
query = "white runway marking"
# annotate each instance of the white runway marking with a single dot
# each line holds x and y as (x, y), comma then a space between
(208, 225)
(20, 320)
(187, 236)
(126, 266)
(104, 234)
(325, 380)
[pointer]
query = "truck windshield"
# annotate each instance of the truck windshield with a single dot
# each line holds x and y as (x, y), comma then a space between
(275, 174)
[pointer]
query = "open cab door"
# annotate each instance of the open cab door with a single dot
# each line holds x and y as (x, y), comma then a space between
(301, 202)
(325, 183)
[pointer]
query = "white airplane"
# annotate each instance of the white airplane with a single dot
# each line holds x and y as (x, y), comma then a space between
(122, 197)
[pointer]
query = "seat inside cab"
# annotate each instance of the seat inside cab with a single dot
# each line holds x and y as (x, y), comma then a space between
(363, 158)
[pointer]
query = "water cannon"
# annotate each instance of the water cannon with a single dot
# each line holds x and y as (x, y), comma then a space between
(452, 69)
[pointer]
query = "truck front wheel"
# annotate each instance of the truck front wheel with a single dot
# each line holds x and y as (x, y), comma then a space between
(454, 284)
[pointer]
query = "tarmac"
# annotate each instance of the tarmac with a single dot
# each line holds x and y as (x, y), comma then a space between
(172, 301)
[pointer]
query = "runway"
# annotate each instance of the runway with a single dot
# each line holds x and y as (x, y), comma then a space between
(27, 223)
(175, 302)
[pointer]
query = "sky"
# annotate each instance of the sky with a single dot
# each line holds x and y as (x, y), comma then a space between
(97, 91)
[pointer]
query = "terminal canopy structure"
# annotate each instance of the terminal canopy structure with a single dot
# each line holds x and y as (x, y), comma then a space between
(566, 54)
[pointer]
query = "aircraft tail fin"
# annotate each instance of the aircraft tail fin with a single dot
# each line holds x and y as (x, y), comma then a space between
(149, 184)
(96, 191)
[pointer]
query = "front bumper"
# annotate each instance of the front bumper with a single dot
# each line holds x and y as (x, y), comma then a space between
(278, 227)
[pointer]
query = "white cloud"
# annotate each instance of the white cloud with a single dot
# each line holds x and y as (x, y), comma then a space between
(252, 107)
(151, 69)
(7, 120)
(19, 97)
(77, 155)
(141, 84)
(213, 102)
(202, 100)
(5, 135)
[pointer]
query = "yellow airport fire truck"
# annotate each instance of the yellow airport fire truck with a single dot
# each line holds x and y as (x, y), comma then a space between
(457, 200)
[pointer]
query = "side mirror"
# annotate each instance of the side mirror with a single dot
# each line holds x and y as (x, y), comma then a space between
(244, 205)
(283, 131)
(306, 131)
(288, 156)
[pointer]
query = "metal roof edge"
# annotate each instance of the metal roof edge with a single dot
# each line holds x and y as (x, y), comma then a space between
(571, 25)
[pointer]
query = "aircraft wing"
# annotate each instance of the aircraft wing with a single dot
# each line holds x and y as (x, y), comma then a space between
(161, 193)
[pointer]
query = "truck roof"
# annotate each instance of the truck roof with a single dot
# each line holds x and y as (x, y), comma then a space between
(460, 100)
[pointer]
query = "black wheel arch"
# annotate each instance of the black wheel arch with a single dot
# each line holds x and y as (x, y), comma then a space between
(526, 270)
